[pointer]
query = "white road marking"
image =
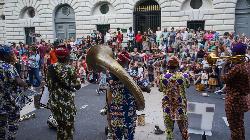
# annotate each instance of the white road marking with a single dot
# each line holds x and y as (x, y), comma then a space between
(31, 107)
(225, 120)
(84, 106)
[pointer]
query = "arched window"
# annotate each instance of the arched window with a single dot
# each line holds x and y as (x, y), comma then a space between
(65, 26)
(28, 12)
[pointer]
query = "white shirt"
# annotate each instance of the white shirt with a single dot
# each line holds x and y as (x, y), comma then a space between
(158, 34)
(130, 35)
(140, 73)
(108, 36)
(184, 36)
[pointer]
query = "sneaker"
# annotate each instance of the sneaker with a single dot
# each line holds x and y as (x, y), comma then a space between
(204, 94)
(103, 111)
(158, 131)
(98, 92)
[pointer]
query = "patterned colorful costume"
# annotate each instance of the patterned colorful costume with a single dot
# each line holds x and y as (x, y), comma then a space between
(237, 88)
(62, 80)
(174, 102)
(9, 111)
(122, 111)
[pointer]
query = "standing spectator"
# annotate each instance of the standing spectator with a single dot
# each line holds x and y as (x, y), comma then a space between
(131, 37)
(184, 34)
(152, 38)
(138, 40)
(108, 37)
(53, 58)
(42, 48)
(165, 34)
(150, 69)
(114, 41)
(33, 64)
(119, 37)
(158, 36)
(172, 36)
(94, 36)
(100, 38)
(145, 41)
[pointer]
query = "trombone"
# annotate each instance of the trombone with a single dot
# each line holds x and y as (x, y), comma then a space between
(213, 57)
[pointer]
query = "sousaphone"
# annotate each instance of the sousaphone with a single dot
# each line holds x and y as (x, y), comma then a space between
(101, 57)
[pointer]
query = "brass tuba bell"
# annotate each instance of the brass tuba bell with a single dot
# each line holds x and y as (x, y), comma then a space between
(100, 57)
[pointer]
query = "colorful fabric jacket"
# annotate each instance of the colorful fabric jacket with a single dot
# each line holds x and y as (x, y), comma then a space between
(62, 81)
(174, 101)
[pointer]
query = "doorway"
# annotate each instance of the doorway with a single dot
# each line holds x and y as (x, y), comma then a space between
(196, 24)
(103, 28)
(65, 26)
(29, 35)
(242, 17)
(147, 14)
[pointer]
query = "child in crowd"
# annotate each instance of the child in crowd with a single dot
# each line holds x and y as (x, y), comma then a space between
(150, 71)
(102, 83)
(82, 73)
(157, 73)
(204, 78)
(213, 80)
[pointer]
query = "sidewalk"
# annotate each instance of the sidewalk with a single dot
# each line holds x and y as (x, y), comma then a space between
(153, 116)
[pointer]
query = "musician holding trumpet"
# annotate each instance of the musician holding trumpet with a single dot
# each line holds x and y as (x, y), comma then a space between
(235, 75)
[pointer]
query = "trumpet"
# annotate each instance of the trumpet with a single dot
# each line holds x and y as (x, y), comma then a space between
(212, 58)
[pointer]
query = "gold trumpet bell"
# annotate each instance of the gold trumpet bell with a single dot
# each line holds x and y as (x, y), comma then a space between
(100, 57)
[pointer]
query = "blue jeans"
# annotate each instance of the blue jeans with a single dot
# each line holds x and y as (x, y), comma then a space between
(34, 73)
(165, 43)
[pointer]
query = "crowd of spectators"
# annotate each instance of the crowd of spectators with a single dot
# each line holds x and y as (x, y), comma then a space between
(146, 54)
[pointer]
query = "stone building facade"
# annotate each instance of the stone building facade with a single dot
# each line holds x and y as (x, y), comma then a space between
(76, 18)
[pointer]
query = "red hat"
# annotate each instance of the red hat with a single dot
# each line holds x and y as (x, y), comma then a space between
(173, 61)
(62, 51)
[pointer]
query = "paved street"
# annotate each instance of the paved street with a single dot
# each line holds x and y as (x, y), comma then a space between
(90, 125)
